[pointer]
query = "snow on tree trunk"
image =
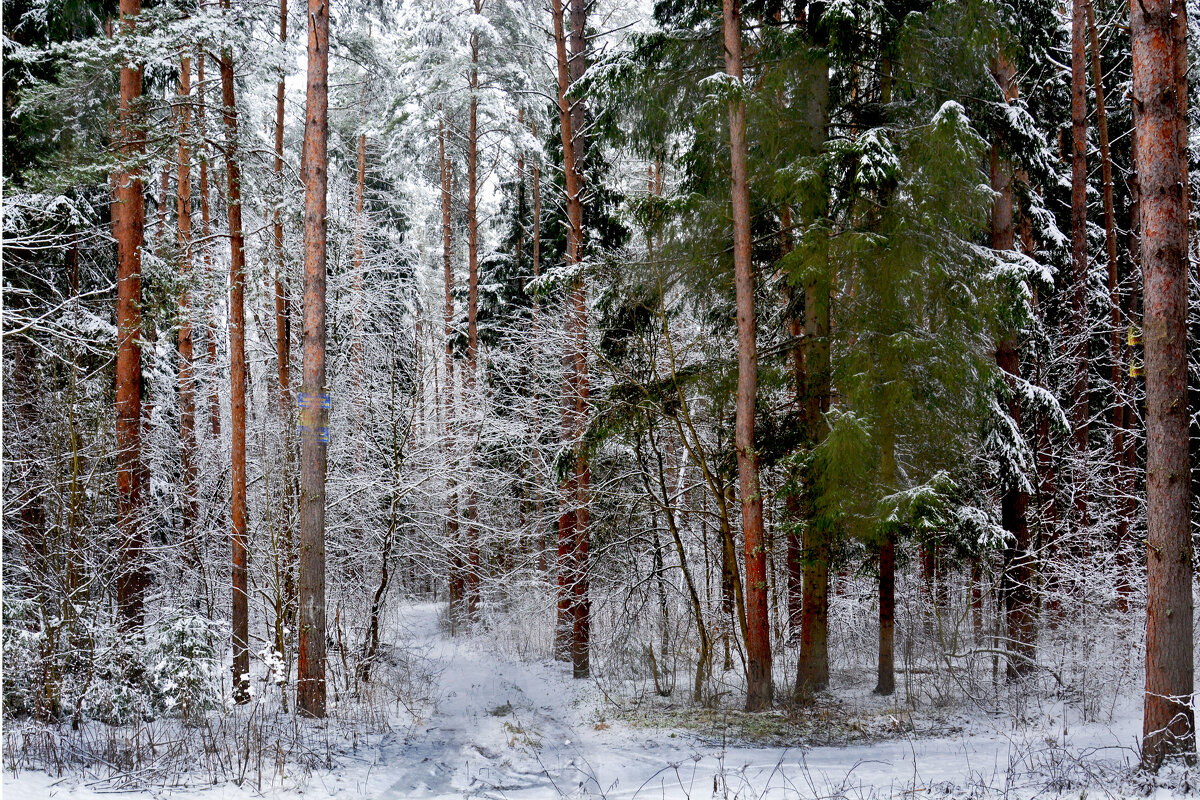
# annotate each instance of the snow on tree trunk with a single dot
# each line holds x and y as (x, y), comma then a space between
(187, 373)
(1080, 398)
(1017, 588)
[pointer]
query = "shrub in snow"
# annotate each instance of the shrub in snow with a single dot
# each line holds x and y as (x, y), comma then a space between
(276, 666)
(184, 664)
(120, 692)
(23, 640)
(47, 656)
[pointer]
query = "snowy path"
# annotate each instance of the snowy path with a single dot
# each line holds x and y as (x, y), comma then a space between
(501, 728)
(518, 730)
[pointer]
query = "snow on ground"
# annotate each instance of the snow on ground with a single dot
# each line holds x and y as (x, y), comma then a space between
(524, 730)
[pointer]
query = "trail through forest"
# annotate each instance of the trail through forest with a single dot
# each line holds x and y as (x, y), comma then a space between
(499, 727)
(512, 729)
(787, 399)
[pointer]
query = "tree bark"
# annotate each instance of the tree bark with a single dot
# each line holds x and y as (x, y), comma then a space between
(187, 374)
(758, 643)
(472, 502)
(283, 359)
(581, 608)
(314, 415)
(283, 333)
(574, 622)
(214, 404)
(1169, 722)
(237, 377)
(1014, 501)
(454, 577)
(812, 673)
(1080, 400)
(794, 556)
(1181, 88)
(129, 222)
(886, 673)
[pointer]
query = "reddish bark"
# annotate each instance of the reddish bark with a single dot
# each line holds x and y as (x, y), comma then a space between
(214, 404)
(1169, 722)
(187, 374)
(1016, 589)
(283, 327)
(314, 418)
(283, 359)
(1116, 344)
(573, 624)
(758, 643)
(237, 377)
(1079, 258)
(129, 221)
(1181, 89)
(580, 604)
(455, 571)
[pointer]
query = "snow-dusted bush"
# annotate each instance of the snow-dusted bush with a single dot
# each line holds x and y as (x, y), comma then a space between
(120, 692)
(22, 643)
(185, 671)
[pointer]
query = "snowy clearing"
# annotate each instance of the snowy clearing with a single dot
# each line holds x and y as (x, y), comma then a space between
(501, 728)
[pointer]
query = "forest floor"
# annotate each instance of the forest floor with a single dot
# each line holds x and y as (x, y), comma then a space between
(496, 727)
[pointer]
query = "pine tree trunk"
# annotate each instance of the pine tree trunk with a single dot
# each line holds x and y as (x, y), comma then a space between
(1181, 89)
(472, 403)
(129, 221)
(1116, 340)
(758, 644)
(1079, 256)
(283, 333)
(314, 418)
(886, 680)
(566, 518)
(573, 624)
(581, 611)
(214, 404)
(454, 577)
(794, 556)
(283, 363)
(1169, 722)
(237, 376)
(1014, 502)
(812, 673)
(187, 374)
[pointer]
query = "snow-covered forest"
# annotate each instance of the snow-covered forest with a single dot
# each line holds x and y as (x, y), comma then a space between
(600, 398)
